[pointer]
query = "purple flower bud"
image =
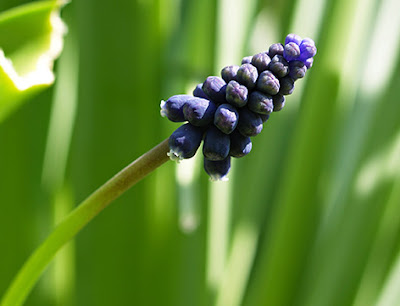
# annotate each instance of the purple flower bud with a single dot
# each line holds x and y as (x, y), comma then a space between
(184, 141)
(199, 111)
(260, 103)
(279, 102)
(275, 49)
(308, 40)
(279, 66)
(297, 70)
(214, 87)
(247, 59)
(307, 50)
(247, 75)
(228, 73)
(287, 85)
(240, 145)
(226, 118)
(291, 52)
(268, 83)
(309, 62)
(236, 94)
(216, 144)
(250, 124)
(198, 92)
(293, 38)
(217, 170)
(261, 61)
(173, 107)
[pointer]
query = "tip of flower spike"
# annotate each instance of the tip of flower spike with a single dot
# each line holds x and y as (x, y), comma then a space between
(162, 109)
(175, 155)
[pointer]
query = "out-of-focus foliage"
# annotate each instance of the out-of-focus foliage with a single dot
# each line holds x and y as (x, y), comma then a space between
(309, 217)
(31, 38)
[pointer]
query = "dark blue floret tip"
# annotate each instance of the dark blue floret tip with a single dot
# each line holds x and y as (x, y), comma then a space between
(218, 170)
(184, 142)
(224, 112)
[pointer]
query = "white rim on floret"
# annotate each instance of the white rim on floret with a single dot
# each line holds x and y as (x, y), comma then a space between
(218, 177)
(163, 111)
(175, 155)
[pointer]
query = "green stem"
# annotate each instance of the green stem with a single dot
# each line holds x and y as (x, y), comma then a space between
(78, 218)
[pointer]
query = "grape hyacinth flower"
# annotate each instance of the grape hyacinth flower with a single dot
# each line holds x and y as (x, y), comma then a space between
(225, 112)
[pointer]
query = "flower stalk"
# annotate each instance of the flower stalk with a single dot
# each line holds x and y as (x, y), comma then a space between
(79, 218)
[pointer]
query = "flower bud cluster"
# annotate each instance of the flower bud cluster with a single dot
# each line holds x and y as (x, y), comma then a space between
(224, 112)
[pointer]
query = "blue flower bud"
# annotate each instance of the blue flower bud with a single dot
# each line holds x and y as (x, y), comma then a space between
(214, 87)
(228, 73)
(287, 85)
(279, 102)
(218, 170)
(184, 141)
(250, 124)
(293, 38)
(236, 94)
(173, 107)
(240, 145)
(216, 144)
(309, 62)
(247, 75)
(261, 61)
(198, 92)
(226, 118)
(247, 59)
(307, 50)
(260, 103)
(291, 51)
(279, 66)
(275, 49)
(297, 70)
(268, 83)
(199, 111)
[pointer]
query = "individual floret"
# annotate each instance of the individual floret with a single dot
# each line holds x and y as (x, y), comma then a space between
(226, 118)
(293, 38)
(216, 144)
(275, 49)
(261, 61)
(247, 75)
(278, 101)
(260, 103)
(214, 87)
(240, 145)
(236, 94)
(279, 66)
(246, 59)
(287, 85)
(184, 141)
(218, 170)
(291, 51)
(307, 49)
(297, 70)
(198, 92)
(268, 83)
(250, 124)
(229, 73)
(173, 107)
(199, 111)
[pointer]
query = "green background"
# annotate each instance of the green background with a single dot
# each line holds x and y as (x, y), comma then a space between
(310, 217)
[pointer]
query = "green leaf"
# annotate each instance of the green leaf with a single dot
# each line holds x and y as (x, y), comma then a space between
(31, 38)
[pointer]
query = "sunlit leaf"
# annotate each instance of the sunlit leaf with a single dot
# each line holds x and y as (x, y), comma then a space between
(31, 38)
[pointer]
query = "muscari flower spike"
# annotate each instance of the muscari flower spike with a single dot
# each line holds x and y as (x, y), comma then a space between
(225, 112)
